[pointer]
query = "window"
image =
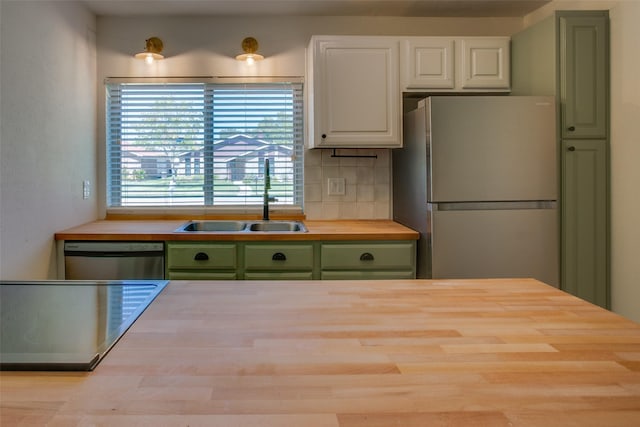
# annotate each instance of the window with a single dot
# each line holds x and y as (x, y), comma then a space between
(203, 144)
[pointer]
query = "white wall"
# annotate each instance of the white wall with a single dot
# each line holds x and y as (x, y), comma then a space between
(625, 159)
(206, 46)
(47, 130)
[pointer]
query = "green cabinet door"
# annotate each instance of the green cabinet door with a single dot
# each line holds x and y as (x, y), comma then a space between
(585, 220)
(583, 67)
(201, 261)
(368, 260)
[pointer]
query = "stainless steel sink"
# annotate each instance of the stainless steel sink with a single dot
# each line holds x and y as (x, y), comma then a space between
(217, 225)
(277, 226)
(224, 226)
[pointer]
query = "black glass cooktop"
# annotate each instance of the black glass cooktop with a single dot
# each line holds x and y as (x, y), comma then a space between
(67, 325)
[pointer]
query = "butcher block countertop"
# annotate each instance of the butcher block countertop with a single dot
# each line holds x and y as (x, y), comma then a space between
(508, 352)
(165, 230)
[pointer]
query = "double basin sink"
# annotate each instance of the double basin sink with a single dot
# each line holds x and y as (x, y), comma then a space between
(224, 226)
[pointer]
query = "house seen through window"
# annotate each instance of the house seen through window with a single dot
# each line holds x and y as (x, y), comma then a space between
(203, 144)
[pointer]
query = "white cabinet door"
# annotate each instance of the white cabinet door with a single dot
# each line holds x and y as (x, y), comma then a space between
(428, 62)
(455, 64)
(353, 88)
(484, 63)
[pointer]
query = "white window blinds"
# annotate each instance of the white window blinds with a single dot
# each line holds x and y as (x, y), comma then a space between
(203, 144)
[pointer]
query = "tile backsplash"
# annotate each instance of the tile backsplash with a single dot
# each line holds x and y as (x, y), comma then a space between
(367, 182)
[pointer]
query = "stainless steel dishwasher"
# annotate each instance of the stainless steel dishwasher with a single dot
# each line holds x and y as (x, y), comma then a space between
(91, 260)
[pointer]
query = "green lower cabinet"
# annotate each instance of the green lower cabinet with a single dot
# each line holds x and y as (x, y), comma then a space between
(202, 261)
(585, 220)
(278, 261)
(368, 260)
(273, 260)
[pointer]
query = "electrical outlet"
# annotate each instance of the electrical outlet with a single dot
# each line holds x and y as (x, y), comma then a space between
(336, 186)
(86, 189)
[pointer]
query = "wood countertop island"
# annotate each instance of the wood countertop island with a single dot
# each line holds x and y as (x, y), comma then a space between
(508, 352)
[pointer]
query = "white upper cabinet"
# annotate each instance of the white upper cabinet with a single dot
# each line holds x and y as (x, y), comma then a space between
(484, 63)
(354, 84)
(353, 92)
(428, 62)
(455, 64)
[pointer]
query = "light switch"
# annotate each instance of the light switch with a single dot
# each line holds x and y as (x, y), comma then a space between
(336, 187)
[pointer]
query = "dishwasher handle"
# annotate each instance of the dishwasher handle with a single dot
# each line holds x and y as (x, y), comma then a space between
(201, 256)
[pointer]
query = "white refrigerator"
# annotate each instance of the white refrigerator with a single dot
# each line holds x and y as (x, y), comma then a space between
(477, 177)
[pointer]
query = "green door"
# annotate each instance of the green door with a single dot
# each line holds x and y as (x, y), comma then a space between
(584, 220)
(583, 59)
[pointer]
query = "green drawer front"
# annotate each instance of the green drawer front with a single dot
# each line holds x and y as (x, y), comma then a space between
(372, 256)
(221, 256)
(280, 275)
(202, 275)
(366, 275)
(278, 257)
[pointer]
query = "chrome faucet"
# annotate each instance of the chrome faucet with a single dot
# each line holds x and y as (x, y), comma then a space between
(267, 187)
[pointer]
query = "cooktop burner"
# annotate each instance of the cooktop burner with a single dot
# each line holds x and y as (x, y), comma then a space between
(69, 325)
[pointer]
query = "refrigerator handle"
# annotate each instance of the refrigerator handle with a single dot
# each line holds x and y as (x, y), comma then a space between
(473, 206)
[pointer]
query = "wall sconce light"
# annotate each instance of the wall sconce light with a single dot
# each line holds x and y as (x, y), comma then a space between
(250, 47)
(152, 49)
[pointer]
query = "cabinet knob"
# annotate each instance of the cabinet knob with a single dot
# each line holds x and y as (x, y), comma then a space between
(572, 148)
(201, 256)
(571, 128)
(324, 136)
(279, 256)
(366, 257)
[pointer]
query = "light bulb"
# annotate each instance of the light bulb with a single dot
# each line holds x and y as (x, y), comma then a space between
(250, 60)
(153, 47)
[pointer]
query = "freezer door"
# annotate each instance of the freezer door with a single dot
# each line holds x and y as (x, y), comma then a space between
(492, 148)
(493, 243)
